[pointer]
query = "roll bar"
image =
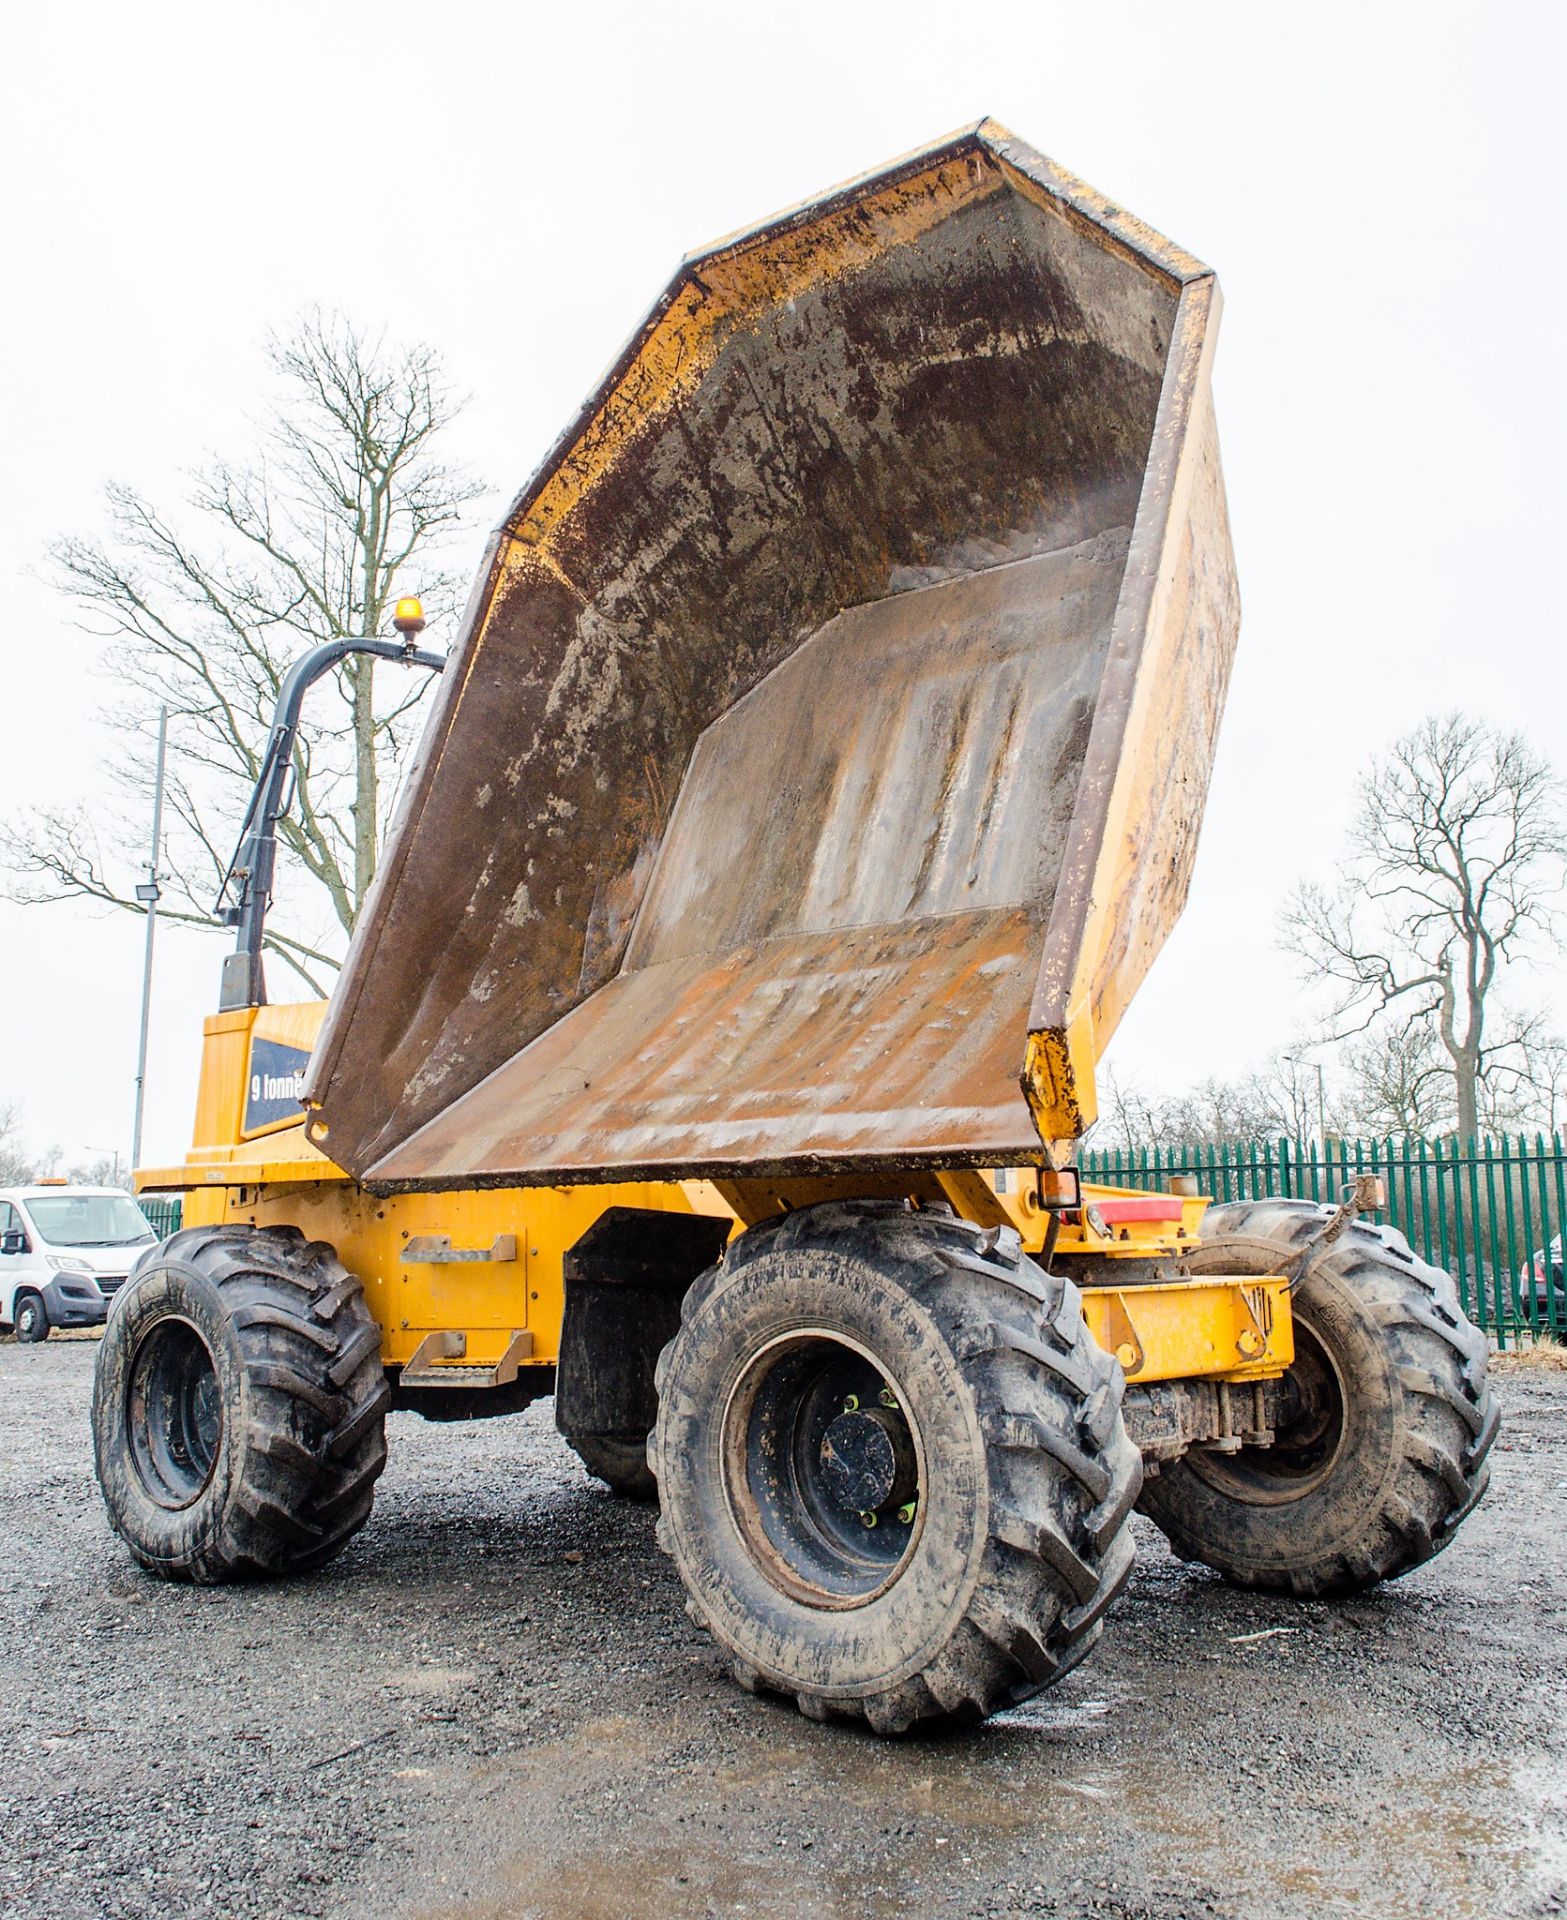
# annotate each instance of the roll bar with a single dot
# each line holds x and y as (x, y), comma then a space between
(246, 892)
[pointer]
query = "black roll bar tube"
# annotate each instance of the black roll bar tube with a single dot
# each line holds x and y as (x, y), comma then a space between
(246, 892)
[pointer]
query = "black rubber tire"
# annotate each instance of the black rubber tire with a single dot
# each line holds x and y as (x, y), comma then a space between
(1406, 1462)
(619, 1460)
(1029, 1476)
(30, 1318)
(293, 1370)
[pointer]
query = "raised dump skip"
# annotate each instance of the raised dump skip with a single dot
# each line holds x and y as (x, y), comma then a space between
(821, 764)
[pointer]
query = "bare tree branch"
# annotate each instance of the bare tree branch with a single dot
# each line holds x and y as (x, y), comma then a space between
(344, 506)
(1456, 859)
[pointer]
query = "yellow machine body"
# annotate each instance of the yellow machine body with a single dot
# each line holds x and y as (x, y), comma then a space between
(472, 1283)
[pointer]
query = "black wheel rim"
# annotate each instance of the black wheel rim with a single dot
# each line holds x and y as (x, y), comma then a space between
(174, 1413)
(1307, 1440)
(823, 1470)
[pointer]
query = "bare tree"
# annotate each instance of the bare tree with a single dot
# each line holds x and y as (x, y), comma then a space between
(345, 504)
(1528, 1083)
(1277, 1097)
(1400, 1082)
(1126, 1114)
(1545, 1070)
(21, 1165)
(102, 1170)
(1454, 861)
(17, 1165)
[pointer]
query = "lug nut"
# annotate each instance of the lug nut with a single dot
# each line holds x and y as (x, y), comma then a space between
(867, 1519)
(887, 1397)
(851, 1403)
(906, 1513)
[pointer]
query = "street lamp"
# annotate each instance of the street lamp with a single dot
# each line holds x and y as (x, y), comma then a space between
(113, 1155)
(149, 893)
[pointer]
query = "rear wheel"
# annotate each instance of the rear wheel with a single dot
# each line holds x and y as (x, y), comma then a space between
(619, 1460)
(30, 1317)
(1384, 1420)
(892, 1465)
(239, 1405)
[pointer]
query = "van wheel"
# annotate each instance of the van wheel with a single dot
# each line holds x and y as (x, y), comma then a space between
(239, 1406)
(30, 1318)
(892, 1465)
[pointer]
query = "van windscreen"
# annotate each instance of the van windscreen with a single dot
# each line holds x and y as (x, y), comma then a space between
(90, 1220)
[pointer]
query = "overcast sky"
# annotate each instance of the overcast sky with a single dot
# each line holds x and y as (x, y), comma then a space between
(1379, 186)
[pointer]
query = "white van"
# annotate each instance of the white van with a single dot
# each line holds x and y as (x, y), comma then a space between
(64, 1252)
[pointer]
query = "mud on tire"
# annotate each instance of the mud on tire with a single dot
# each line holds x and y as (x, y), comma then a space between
(1382, 1440)
(1025, 1476)
(239, 1405)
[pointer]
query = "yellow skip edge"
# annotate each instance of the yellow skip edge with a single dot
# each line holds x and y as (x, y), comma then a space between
(1058, 1081)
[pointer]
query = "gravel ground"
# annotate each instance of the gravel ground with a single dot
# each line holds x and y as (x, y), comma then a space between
(494, 1705)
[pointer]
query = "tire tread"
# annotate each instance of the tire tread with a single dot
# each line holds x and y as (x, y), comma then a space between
(1063, 1475)
(1445, 1425)
(307, 1462)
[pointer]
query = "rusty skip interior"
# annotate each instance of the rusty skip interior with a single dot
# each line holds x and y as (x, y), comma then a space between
(736, 839)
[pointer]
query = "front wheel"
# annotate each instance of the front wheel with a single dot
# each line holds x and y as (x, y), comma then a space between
(1384, 1422)
(30, 1318)
(892, 1465)
(239, 1405)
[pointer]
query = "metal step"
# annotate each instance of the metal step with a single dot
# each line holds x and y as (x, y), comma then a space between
(440, 1360)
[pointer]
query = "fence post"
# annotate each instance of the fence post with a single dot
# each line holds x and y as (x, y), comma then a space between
(1555, 1321)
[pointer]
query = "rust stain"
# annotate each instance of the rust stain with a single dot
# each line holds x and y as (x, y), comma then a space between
(834, 714)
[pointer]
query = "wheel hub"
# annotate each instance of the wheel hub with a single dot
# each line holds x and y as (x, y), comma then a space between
(867, 1458)
(822, 1469)
(1309, 1401)
(173, 1413)
(1310, 1431)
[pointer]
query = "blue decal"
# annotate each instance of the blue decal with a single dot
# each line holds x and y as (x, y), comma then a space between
(277, 1078)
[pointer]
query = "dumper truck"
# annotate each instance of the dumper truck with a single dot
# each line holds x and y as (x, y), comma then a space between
(813, 780)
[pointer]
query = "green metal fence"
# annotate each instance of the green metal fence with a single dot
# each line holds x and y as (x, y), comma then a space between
(163, 1213)
(1490, 1211)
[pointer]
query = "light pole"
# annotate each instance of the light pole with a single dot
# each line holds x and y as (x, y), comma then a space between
(147, 892)
(114, 1157)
